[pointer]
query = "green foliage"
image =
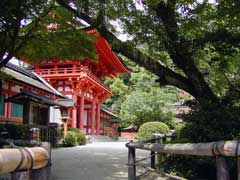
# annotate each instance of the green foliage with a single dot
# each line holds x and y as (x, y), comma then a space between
(64, 41)
(140, 107)
(70, 140)
(39, 30)
(138, 98)
(80, 135)
(15, 130)
(212, 124)
(148, 129)
(14, 15)
(178, 128)
(188, 167)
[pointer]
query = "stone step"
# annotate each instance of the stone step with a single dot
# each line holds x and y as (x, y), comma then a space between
(153, 175)
(99, 138)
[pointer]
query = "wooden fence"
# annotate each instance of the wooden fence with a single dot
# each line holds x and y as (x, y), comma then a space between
(220, 150)
(45, 133)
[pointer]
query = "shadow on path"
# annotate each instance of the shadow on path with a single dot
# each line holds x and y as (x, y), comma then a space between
(97, 161)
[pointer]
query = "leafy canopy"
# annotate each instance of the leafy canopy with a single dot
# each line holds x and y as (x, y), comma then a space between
(59, 35)
(40, 29)
(139, 99)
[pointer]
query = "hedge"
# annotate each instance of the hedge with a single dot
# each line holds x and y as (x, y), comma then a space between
(74, 137)
(146, 130)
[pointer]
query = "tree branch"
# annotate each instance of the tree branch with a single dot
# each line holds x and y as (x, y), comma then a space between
(181, 51)
(166, 75)
(219, 36)
(15, 47)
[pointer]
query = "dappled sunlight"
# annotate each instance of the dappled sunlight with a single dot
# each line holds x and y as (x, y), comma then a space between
(96, 161)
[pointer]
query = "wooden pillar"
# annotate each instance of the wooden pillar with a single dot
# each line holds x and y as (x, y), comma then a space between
(103, 119)
(74, 112)
(93, 118)
(74, 118)
(9, 105)
(26, 112)
(98, 119)
(65, 128)
(81, 116)
(222, 169)
(41, 174)
(238, 168)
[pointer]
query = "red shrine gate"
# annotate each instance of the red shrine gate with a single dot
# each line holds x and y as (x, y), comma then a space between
(80, 80)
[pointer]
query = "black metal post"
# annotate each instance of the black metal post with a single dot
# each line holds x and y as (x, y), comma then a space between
(23, 175)
(153, 157)
(164, 138)
(238, 168)
(41, 174)
(222, 169)
(131, 163)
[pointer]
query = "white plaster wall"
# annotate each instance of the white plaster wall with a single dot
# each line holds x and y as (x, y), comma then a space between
(55, 115)
(16, 89)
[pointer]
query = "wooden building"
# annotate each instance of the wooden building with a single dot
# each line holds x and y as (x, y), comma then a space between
(80, 80)
(26, 97)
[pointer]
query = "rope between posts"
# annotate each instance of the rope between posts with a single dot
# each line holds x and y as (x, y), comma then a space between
(215, 151)
(22, 158)
(143, 159)
(31, 162)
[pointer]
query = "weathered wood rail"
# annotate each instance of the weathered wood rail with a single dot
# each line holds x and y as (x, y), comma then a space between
(219, 150)
(26, 163)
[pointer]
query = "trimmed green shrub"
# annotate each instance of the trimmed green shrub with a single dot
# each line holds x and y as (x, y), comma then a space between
(70, 140)
(15, 130)
(76, 130)
(148, 129)
(81, 137)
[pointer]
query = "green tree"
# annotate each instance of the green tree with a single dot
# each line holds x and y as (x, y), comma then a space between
(192, 45)
(40, 29)
(13, 15)
(139, 99)
(177, 28)
(140, 107)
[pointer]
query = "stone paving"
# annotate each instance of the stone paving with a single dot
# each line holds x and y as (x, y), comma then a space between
(97, 161)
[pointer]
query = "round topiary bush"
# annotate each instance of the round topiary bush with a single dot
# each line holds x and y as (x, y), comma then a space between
(70, 140)
(146, 130)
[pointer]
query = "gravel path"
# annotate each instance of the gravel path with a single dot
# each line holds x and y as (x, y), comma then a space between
(97, 161)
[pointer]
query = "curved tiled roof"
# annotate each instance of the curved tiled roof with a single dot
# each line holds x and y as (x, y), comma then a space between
(27, 77)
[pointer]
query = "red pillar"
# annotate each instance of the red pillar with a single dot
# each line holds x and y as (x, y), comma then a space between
(74, 117)
(64, 129)
(74, 112)
(98, 119)
(93, 118)
(81, 110)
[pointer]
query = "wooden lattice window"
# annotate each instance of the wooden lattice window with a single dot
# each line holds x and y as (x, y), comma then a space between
(2, 106)
(17, 110)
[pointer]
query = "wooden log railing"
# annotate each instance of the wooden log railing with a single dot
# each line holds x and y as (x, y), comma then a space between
(219, 150)
(26, 163)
